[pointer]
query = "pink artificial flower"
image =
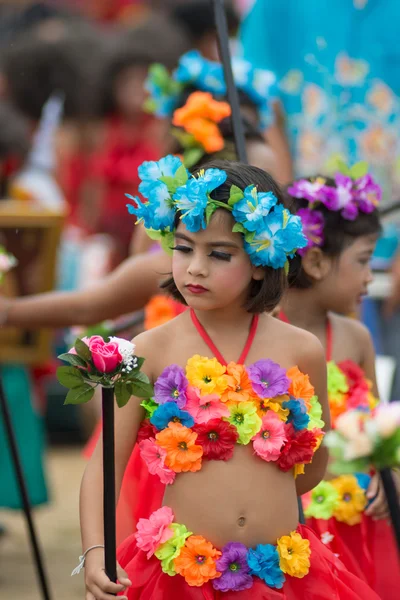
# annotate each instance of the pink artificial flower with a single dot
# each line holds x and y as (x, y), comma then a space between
(154, 457)
(204, 408)
(153, 532)
(105, 355)
(269, 440)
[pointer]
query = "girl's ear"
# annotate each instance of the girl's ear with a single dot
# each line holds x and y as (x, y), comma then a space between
(316, 264)
(258, 273)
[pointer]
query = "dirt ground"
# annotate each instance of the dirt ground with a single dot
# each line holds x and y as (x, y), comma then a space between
(58, 528)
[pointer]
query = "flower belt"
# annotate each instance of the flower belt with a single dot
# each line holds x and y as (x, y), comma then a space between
(232, 568)
(343, 498)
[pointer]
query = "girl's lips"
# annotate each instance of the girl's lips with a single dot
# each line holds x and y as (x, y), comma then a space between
(196, 289)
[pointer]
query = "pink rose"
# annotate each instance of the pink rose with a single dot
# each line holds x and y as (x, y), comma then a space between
(105, 355)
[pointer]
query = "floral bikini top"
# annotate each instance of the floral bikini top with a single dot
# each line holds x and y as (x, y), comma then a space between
(200, 412)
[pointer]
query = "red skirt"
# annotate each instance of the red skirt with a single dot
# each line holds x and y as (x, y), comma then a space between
(327, 579)
(367, 550)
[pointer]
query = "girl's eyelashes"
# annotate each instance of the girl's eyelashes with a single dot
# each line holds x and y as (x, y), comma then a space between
(214, 254)
(221, 255)
(181, 248)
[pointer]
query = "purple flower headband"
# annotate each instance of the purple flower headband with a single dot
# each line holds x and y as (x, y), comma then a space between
(355, 191)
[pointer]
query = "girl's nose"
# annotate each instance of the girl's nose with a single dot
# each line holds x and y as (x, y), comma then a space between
(198, 265)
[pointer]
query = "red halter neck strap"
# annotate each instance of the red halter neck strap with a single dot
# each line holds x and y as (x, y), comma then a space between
(329, 334)
(206, 338)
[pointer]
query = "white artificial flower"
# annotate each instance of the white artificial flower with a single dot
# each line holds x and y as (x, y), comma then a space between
(387, 419)
(126, 350)
(327, 537)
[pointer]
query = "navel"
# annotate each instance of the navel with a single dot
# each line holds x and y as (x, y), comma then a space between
(241, 521)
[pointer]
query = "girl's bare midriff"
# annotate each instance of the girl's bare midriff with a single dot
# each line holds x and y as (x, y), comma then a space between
(244, 499)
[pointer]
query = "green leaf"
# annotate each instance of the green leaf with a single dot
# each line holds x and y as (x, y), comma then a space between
(140, 361)
(343, 168)
(181, 176)
(192, 156)
(73, 359)
(159, 75)
(359, 170)
(286, 267)
(167, 241)
(170, 182)
(122, 393)
(239, 228)
(82, 350)
(235, 195)
(80, 395)
(150, 105)
(142, 377)
(210, 210)
(141, 389)
(70, 377)
(153, 234)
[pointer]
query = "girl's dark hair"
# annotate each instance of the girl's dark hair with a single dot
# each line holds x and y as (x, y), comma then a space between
(156, 40)
(197, 17)
(339, 233)
(266, 294)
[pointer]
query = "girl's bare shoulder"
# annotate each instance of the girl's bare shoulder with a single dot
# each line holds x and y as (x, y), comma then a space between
(350, 328)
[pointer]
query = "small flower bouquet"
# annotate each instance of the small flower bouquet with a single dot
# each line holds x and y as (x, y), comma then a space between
(113, 364)
(363, 440)
(7, 262)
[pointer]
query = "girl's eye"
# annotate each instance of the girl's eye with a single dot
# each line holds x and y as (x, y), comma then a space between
(221, 255)
(181, 248)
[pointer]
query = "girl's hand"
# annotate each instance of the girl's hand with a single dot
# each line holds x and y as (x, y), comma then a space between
(378, 509)
(98, 585)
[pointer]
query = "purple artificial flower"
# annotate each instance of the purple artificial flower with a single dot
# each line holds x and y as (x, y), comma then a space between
(313, 191)
(234, 568)
(343, 198)
(171, 386)
(369, 193)
(313, 228)
(268, 379)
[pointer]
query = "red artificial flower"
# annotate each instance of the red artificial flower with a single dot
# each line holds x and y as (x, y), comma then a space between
(217, 438)
(299, 448)
(146, 431)
(355, 376)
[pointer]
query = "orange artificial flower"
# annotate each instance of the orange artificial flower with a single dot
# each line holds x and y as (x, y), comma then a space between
(200, 116)
(196, 562)
(239, 385)
(161, 309)
(300, 386)
(275, 404)
(182, 452)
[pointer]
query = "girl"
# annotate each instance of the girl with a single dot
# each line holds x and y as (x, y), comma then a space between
(232, 239)
(335, 273)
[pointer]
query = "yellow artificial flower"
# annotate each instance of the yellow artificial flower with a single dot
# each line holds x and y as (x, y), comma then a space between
(275, 404)
(352, 500)
(294, 554)
(208, 375)
(298, 470)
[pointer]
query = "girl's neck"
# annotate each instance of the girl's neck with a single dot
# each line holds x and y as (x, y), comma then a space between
(304, 310)
(228, 317)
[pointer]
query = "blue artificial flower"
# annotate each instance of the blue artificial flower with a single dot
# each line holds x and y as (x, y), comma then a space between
(168, 412)
(363, 480)
(159, 212)
(298, 413)
(205, 75)
(279, 235)
(151, 171)
(264, 563)
(191, 199)
(253, 207)
(162, 103)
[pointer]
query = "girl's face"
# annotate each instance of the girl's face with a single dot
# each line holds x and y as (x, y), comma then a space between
(210, 268)
(130, 92)
(348, 277)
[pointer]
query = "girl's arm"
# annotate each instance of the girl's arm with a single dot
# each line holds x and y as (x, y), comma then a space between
(127, 421)
(368, 356)
(313, 363)
(125, 290)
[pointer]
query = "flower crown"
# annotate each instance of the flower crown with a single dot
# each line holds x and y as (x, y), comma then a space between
(208, 76)
(271, 233)
(355, 191)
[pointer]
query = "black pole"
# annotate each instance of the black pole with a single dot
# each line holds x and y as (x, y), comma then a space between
(109, 504)
(393, 503)
(12, 442)
(233, 97)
